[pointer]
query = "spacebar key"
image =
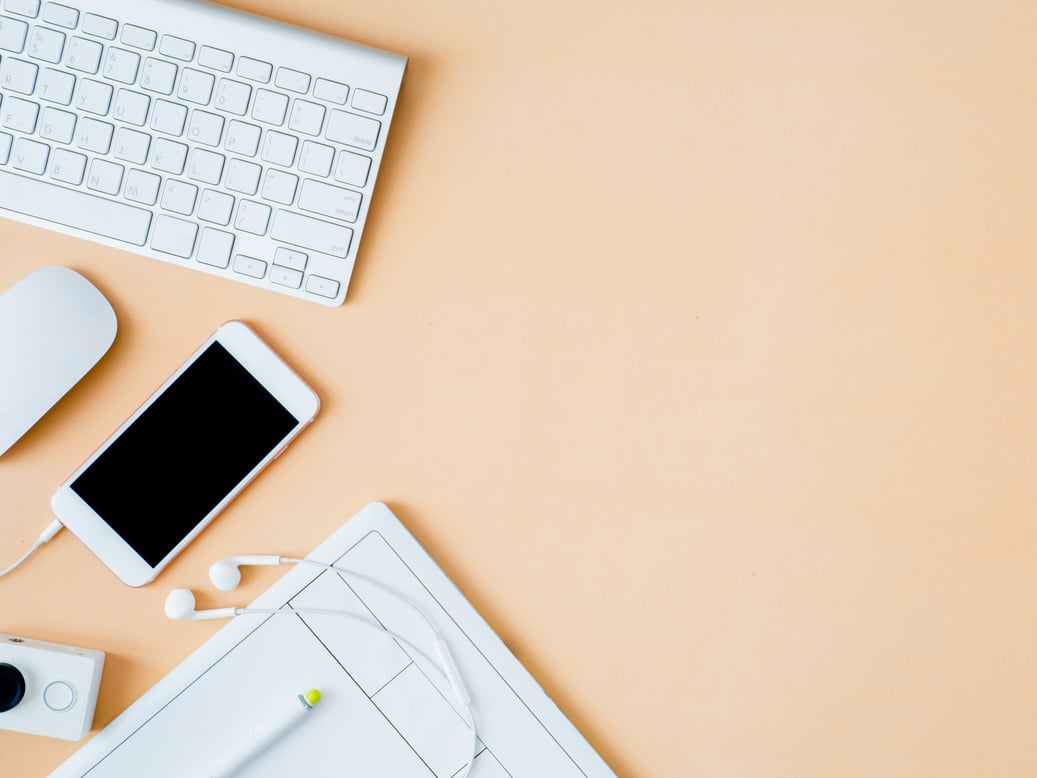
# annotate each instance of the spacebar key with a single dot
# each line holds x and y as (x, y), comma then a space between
(68, 207)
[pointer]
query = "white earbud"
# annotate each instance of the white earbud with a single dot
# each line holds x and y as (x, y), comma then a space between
(225, 574)
(180, 607)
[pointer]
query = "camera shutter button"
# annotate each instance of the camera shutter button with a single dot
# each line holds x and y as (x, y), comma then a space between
(59, 696)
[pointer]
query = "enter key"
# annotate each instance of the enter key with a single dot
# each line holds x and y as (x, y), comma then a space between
(327, 200)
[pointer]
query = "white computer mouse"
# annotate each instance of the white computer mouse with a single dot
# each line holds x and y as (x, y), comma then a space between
(54, 327)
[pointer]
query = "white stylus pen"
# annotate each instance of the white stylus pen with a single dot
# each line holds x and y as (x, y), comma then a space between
(262, 735)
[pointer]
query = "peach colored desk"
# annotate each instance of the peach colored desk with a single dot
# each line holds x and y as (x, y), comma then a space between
(697, 340)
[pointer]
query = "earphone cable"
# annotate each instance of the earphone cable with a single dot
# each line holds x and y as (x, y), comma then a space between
(46, 535)
(366, 579)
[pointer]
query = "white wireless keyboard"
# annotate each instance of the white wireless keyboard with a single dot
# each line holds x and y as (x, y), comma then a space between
(195, 134)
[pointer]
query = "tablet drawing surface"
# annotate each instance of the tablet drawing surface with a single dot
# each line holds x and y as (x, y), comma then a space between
(386, 708)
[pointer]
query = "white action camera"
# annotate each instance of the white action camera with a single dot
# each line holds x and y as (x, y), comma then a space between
(47, 688)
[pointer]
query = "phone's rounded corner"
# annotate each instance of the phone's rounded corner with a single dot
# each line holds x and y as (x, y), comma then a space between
(59, 503)
(136, 583)
(132, 570)
(233, 324)
(316, 405)
(55, 502)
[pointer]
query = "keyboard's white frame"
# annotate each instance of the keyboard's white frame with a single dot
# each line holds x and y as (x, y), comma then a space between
(284, 46)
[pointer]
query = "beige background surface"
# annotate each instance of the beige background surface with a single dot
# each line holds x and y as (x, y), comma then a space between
(695, 340)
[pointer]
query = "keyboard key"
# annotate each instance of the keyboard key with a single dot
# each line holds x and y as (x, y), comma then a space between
(370, 102)
(20, 114)
(138, 37)
(279, 187)
(168, 156)
(352, 168)
(306, 117)
(279, 149)
(312, 234)
(168, 117)
(206, 128)
(217, 59)
(142, 187)
(158, 76)
(196, 86)
(84, 55)
(179, 196)
(215, 247)
(177, 48)
(132, 107)
(233, 96)
(242, 176)
(242, 138)
(46, 44)
(316, 158)
(12, 34)
(254, 69)
(327, 200)
(67, 166)
(105, 176)
(325, 287)
(93, 135)
(292, 80)
(56, 86)
(121, 65)
(215, 207)
(100, 26)
(30, 8)
(285, 276)
(174, 236)
(288, 258)
(252, 217)
(205, 166)
(72, 208)
(331, 91)
(5, 147)
(18, 76)
(132, 146)
(270, 107)
(94, 96)
(353, 130)
(249, 266)
(30, 156)
(57, 125)
(61, 15)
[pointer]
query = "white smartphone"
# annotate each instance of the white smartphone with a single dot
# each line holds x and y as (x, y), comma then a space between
(222, 417)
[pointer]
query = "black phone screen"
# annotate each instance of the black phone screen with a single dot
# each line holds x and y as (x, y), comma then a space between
(184, 454)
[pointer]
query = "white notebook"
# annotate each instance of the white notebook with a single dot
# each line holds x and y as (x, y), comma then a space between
(384, 712)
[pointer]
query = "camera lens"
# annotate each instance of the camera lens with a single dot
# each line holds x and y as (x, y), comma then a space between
(12, 686)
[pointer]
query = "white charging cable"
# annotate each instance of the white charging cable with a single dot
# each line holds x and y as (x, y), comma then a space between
(46, 535)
